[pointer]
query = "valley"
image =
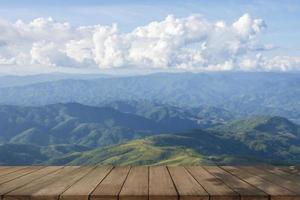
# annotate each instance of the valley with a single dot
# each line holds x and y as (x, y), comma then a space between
(142, 133)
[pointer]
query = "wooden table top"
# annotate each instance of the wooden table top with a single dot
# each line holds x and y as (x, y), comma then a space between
(153, 183)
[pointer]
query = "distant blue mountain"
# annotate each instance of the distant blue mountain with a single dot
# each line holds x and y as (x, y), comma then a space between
(18, 80)
(238, 92)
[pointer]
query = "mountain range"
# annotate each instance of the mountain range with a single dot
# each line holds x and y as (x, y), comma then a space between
(259, 140)
(242, 93)
(163, 118)
(74, 123)
(138, 133)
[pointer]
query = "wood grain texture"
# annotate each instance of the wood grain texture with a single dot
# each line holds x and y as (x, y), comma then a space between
(26, 192)
(245, 190)
(136, 185)
(17, 174)
(3, 167)
(23, 180)
(84, 187)
(283, 182)
(161, 186)
(7, 170)
(215, 187)
(275, 191)
(294, 170)
(278, 171)
(52, 191)
(111, 186)
(153, 183)
(188, 188)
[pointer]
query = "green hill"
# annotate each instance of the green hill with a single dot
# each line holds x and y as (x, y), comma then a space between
(174, 117)
(21, 154)
(136, 152)
(163, 150)
(269, 140)
(76, 134)
(271, 135)
(72, 123)
(28, 154)
(91, 126)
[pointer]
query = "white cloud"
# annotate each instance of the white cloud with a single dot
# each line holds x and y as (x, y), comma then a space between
(44, 29)
(80, 50)
(5, 61)
(277, 63)
(246, 27)
(109, 50)
(190, 43)
(42, 53)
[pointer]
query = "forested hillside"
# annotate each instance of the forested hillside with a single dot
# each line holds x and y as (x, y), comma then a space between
(155, 134)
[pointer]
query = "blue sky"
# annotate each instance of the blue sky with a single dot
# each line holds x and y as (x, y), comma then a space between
(281, 16)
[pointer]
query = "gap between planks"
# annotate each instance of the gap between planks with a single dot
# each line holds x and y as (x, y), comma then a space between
(148, 183)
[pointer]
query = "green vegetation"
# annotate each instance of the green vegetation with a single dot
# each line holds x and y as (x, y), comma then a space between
(74, 134)
(281, 144)
(136, 152)
(72, 124)
(271, 135)
(91, 126)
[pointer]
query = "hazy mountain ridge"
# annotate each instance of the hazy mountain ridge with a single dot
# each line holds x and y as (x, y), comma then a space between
(18, 81)
(237, 92)
(202, 116)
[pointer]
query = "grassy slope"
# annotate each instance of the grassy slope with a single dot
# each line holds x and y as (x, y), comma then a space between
(136, 152)
(255, 140)
(155, 150)
(269, 140)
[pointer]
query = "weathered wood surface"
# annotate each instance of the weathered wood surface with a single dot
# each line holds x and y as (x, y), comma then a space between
(153, 183)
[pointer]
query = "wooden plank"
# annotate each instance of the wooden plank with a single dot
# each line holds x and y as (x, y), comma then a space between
(295, 170)
(111, 186)
(246, 191)
(19, 182)
(136, 185)
(54, 190)
(161, 186)
(283, 182)
(3, 170)
(278, 171)
(25, 192)
(215, 187)
(18, 173)
(188, 188)
(9, 170)
(84, 187)
(155, 183)
(275, 191)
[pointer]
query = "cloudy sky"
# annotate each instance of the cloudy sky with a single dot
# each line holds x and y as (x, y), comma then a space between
(191, 35)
